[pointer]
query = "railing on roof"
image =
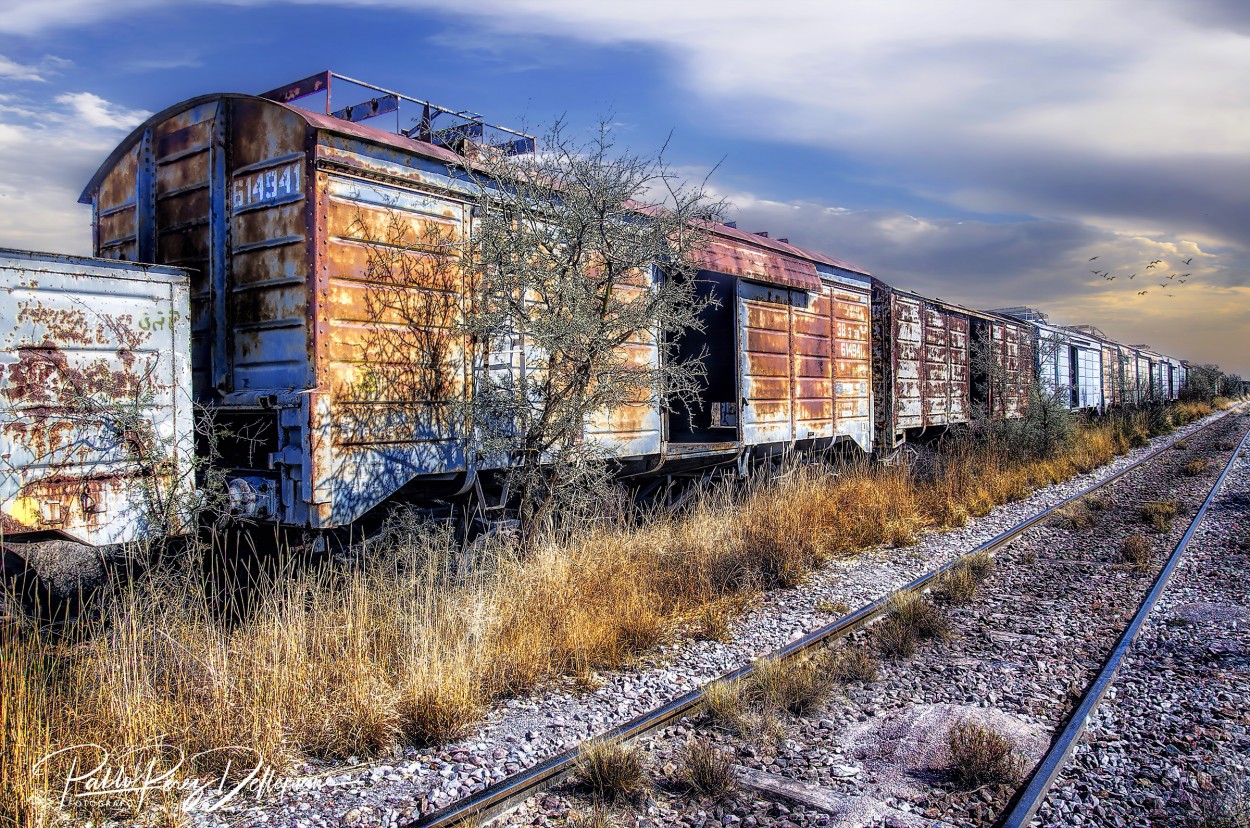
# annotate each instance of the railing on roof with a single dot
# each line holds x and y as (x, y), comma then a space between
(1023, 313)
(425, 121)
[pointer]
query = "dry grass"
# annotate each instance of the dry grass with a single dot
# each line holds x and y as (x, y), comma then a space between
(981, 755)
(26, 716)
(833, 607)
(1158, 514)
(1196, 468)
(1076, 516)
(410, 647)
(725, 704)
(708, 770)
(611, 771)
(795, 686)
(853, 664)
(597, 817)
(912, 618)
(1135, 552)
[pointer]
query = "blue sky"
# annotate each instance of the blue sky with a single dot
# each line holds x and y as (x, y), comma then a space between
(977, 151)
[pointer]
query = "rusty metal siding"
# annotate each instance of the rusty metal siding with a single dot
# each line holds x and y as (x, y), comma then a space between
(921, 366)
(390, 361)
(811, 334)
(1007, 375)
(635, 428)
(765, 368)
(852, 362)
(265, 305)
(908, 333)
(95, 408)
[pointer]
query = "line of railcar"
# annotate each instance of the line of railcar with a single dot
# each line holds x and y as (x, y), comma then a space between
(255, 216)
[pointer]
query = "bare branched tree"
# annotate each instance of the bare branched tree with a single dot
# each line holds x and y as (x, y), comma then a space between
(583, 271)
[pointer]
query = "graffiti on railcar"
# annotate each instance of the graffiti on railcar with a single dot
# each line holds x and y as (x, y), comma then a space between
(76, 426)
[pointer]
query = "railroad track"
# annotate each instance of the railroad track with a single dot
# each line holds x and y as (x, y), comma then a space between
(1031, 796)
(510, 792)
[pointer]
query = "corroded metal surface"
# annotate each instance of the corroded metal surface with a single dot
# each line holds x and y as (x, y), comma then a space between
(95, 408)
(921, 363)
(325, 301)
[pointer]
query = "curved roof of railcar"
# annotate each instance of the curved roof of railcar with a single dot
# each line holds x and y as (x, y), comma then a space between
(313, 119)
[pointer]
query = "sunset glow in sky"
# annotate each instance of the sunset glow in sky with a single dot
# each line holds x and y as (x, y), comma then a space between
(981, 152)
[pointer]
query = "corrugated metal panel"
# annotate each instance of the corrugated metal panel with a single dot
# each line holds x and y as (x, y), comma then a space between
(852, 363)
(765, 341)
(636, 428)
(390, 362)
(920, 362)
(811, 351)
(95, 440)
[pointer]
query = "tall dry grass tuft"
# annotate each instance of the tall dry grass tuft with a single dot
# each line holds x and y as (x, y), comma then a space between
(26, 721)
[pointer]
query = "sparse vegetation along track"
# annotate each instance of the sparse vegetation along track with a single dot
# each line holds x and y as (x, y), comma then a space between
(508, 793)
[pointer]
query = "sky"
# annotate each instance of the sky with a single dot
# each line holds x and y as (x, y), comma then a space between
(986, 153)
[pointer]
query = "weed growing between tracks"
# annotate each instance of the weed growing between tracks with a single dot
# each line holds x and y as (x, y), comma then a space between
(980, 755)
(409, 644)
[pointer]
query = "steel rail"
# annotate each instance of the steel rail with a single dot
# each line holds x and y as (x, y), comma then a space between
(506, 793)
(1028, 799)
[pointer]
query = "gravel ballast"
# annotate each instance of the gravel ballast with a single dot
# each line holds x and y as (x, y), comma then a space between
(1170, 744)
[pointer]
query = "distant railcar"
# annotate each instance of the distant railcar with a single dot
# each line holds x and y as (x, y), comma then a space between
(921, 370)
(789, 351)
(1003, 370)
(1068, 361)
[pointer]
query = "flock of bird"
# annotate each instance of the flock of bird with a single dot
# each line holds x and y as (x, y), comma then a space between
(1173, 279)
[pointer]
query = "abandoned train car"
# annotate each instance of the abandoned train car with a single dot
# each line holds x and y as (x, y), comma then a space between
(96, 437)
(1068, 361)
(935, 364)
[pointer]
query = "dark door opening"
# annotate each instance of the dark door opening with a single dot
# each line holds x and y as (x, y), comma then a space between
(1074, 375)
(714, 416)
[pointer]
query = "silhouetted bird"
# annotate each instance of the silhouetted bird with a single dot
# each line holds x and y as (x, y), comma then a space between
(1142, 292)
(1091, 258)
(1190, 259)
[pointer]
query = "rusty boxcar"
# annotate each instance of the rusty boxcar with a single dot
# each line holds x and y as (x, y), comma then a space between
(1002, 360)
(788, 349)
(96, 435)
(332, 402)
(921, 367)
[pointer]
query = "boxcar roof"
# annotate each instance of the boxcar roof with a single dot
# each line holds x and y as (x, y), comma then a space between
(326, 122)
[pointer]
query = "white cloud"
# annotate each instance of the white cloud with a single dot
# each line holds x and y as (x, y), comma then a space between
(47, 154)
(38, 72)
(94, 112)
